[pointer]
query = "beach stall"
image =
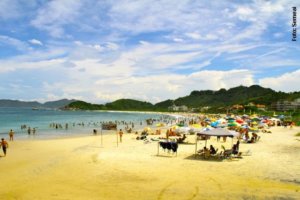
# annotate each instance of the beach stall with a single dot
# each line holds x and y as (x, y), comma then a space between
(217, 132)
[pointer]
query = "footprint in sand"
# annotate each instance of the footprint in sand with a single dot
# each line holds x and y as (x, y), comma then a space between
(95, 158)
(163, 191)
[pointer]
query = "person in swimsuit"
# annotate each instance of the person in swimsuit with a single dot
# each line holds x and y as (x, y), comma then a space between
(11, 135)
(4, 146)
(121, 134)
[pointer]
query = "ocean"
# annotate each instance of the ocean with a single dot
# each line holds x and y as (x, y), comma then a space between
(51, 123)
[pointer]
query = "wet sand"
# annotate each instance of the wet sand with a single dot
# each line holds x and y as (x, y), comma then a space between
(80, 168)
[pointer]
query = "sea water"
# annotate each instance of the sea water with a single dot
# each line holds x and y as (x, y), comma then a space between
(79, 122)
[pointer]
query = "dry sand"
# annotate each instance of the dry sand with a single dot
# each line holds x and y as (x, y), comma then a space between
(79, 168)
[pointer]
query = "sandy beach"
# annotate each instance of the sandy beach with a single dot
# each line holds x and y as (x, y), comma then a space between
(80, 168)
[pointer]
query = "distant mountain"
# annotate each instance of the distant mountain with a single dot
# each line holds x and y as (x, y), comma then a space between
(197, 99)
(17, 103)
(121, 104)
(58, 104)
(35, 104)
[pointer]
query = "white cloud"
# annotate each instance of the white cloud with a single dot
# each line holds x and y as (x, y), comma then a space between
(16, 43)
(36, 42)
(287, 82)
(177, 40)
(112, 46)
(55, 14)
(153, 88)
(9, 9)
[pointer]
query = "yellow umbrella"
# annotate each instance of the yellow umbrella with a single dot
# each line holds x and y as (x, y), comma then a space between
(174, 127)
(196, 125)
(160, 125)
(147, 129)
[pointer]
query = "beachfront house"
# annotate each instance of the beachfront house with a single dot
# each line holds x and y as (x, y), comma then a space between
(286, 105)
(182, 108)
(261, 107)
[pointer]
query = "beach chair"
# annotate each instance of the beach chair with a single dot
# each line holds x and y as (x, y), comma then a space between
(206, 154)
(227, 153)
(181, 140)
(215, 153)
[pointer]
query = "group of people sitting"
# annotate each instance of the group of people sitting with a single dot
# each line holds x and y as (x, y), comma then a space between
(143, 135)
(207, 152)
(254, 138)
(212, 151)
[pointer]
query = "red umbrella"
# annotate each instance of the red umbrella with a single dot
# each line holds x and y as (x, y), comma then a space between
(240, 121)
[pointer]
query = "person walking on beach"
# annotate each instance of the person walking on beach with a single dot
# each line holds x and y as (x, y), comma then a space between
(11, 135)
(121, 135)
(4, 146)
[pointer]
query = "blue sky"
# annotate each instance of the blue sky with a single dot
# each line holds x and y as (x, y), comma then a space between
(151, 50)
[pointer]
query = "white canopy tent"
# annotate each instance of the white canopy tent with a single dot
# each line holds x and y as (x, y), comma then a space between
(216, 132)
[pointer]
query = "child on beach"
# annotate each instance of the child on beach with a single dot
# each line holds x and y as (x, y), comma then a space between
(4, 146)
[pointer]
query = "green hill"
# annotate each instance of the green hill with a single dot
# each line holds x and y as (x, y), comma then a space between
(164, 104)
(197, 99)
(81, 105)
(237, 95)
(223, 97)
(121, 104)
(129, 104)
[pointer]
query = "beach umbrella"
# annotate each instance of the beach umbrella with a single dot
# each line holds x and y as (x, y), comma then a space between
(222, 120)
(182, 130)
(263, 125)
(160, 125)
(214, 124)
(148, 129)
(196, 125)
(254, 123)
(194, 130)
(240, 121)
(232, 124)
(253, 129)
(180, 125)
(174, 127)
(255, 119)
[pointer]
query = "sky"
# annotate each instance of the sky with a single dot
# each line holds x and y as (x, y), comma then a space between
(150, 50)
